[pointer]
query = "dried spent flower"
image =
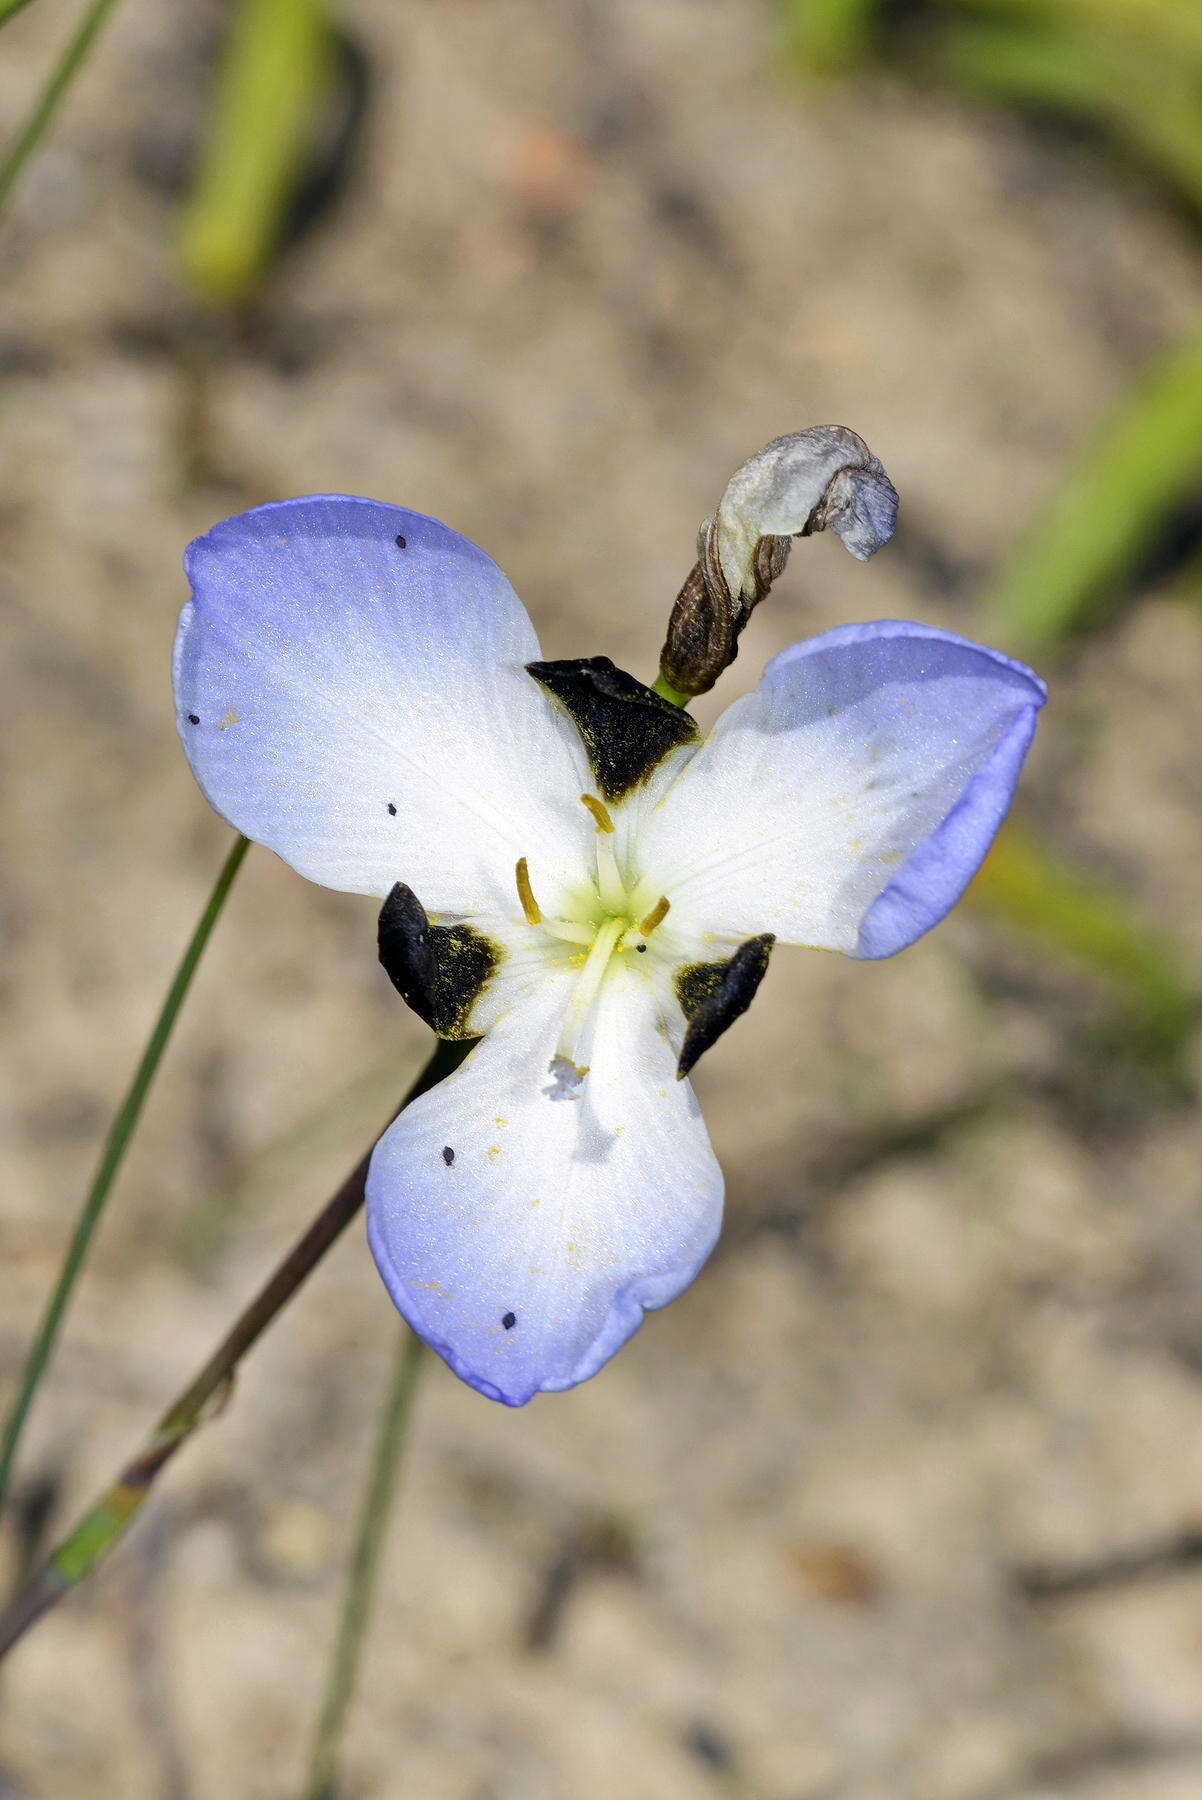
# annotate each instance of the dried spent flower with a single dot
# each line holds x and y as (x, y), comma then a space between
(823, 479)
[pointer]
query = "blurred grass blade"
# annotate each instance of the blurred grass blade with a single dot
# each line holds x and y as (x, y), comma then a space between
(1058, 905)
(51, 97)
(830, 36)
(374, 1516)
(1176, 24)
(10, 8)
(1134, 67)
(1148, 95)
(274, 73)
(1144, 460)
(112, 1156)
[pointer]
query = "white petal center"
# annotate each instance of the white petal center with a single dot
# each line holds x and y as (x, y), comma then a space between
(605, 916)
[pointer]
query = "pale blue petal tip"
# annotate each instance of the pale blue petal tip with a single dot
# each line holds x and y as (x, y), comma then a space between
(934, 877)
(626, 1313)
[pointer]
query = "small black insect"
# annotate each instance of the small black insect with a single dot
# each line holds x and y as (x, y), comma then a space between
(392, 809)
(509, 1321)
(642, 949)
(448, 1155)
(401, 543)
(194, 718)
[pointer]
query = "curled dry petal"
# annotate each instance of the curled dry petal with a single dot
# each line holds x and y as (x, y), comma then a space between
(820, 479)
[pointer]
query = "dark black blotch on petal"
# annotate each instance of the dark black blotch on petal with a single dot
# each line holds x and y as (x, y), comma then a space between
(713, 995)
(194, 718)
(401, 543)
(509, 1321)
(627, 728)
(438, 970)
(448, 1155)
(392, 809)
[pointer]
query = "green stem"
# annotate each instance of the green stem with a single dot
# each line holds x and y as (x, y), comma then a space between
(666, 691)
(111, 1157)
(365, 1561)
(105, 1523)
(10, 8)
(51, 96)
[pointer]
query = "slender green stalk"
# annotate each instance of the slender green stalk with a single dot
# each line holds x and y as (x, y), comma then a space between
(51, 97)
(116, 1144)
(10, 8)
(663, 687)
(365, 1562)
(105, 1523)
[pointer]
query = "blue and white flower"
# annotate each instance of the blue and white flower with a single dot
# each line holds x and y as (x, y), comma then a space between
(573, 873)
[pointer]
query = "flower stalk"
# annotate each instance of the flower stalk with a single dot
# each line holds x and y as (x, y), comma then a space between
(365, 1560)
(45, 107)
(120, 1133)
(107, 1521)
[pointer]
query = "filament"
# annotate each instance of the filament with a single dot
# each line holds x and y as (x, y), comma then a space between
(588, 986)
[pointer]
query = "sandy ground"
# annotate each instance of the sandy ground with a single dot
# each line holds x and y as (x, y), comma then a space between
(895, 1504)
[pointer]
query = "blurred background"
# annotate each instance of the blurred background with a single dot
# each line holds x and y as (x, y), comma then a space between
(903, 1501)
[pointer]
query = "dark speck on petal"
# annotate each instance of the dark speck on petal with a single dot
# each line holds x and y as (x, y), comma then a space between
(509, 1321)
(400, 541)
(448, 1155)
(392, 809)
(642, 949)
(194, 718)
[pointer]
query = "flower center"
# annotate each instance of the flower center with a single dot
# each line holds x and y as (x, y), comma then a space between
(605, 919)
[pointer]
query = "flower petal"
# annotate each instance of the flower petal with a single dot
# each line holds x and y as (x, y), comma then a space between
(350, 691)
(524, 1236)
(849, 800)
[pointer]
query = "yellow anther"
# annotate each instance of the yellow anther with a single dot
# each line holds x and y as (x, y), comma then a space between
(530, 905)
(656, 916)
(599, 811)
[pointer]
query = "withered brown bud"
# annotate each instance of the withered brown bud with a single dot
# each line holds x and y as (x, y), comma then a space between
(822, 479)
(702, 636)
